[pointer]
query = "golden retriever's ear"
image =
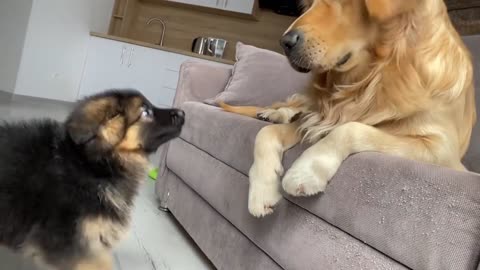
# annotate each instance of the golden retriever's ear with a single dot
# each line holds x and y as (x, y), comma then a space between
(384, 10)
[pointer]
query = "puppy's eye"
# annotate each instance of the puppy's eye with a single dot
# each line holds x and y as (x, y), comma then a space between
(146, 112)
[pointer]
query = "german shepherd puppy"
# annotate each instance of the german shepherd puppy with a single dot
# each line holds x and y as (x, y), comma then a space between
(67, 189)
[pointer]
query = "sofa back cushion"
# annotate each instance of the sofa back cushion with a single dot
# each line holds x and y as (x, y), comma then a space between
(260, 77)
(472, 158)
(465, 15)
(199, 80)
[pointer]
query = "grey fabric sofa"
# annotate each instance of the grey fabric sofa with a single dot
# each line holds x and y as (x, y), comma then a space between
(378, 212)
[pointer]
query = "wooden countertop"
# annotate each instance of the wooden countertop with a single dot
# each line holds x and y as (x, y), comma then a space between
(163, 48)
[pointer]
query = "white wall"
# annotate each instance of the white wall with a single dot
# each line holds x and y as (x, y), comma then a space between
(14, 16)
(56, 46)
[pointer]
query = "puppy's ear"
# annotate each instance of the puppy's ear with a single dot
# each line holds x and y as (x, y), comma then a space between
(81, 129)
(84, 123)
(384, 10)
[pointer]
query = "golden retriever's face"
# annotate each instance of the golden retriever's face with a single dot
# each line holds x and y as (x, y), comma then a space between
(337, 34)
(122, 122)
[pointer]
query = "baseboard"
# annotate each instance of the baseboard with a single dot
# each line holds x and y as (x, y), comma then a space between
(22, 98)
(5, 95)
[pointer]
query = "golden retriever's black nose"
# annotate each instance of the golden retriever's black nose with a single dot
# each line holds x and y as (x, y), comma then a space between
(290, 40)
(178, 117)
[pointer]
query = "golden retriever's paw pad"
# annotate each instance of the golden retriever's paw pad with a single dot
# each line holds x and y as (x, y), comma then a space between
(262, 199)
(303, 181)
(282, 115)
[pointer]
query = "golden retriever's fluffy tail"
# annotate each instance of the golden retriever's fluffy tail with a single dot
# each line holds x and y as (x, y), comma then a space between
(249, 111)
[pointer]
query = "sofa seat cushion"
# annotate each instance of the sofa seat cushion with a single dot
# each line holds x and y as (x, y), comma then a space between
(226, 136)
(292, 237)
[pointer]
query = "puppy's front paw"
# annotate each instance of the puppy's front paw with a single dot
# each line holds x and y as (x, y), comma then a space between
(304, 179)
(282, 115)
(264, 191)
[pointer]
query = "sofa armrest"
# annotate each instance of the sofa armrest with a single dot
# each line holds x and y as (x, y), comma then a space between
(421, 215)
(199, 81)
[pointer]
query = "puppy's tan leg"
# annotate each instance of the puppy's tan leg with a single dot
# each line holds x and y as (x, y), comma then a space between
(100, 261)
(264, 174)
(311, 172)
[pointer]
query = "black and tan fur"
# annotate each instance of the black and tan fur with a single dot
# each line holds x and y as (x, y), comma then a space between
(67, 189)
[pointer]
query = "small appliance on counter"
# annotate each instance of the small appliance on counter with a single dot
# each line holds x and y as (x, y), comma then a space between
(209, 46)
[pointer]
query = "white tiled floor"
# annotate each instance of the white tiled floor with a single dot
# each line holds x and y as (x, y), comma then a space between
(156, 241)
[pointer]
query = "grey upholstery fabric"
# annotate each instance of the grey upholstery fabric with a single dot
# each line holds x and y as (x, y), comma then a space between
(387, 202)
(292, 237)
(199, 81)
(390, 201)
(225, 246)
(252, 85)
(472, 158)
(226, 136)
(465, 15)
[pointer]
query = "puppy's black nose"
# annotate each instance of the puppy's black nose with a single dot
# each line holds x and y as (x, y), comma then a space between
(291, 40)
(178, 117)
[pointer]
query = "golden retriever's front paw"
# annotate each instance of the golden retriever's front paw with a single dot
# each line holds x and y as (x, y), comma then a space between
(262, 199)
(282, 115)
(303, 180)
(264, 191)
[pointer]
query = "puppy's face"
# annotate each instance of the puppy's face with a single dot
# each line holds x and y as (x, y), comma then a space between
(339, 34)
(122, 121)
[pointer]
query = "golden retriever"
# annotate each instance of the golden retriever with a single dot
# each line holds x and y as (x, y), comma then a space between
(389, 76)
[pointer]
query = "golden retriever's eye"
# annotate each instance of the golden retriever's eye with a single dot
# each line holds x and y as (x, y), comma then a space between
(146, 112)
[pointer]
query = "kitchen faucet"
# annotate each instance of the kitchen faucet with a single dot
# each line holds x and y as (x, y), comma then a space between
(163, 28)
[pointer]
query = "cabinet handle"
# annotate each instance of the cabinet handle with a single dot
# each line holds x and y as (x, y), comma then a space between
(130, 58)
(225, 4)
(217, 3)
(122, 56)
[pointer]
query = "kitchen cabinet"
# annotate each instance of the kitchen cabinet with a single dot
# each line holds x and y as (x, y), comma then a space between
(115, 64)
(105, 68)
(240, 6)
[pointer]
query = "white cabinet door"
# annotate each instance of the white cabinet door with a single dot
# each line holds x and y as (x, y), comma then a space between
(203, 3)
(147, 70)
(117, 65)
(112, 64)
(105, 66)
(241, 6)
